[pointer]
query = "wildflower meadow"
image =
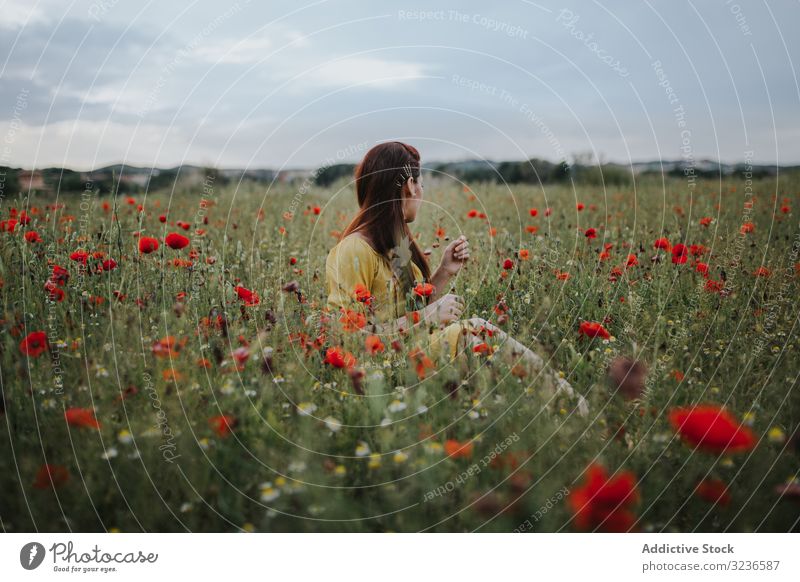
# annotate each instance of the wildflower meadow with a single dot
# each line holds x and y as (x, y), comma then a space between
(169, 363)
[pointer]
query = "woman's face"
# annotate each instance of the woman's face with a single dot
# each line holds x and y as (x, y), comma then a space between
(413, 200)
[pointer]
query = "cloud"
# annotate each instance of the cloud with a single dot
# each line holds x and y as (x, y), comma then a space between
(372, 71)
(251, 49)
(18, 14)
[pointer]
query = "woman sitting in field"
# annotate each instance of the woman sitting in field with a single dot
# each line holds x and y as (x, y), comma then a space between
(377, 260)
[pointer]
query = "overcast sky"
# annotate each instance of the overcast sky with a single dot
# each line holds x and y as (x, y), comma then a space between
(295, 84)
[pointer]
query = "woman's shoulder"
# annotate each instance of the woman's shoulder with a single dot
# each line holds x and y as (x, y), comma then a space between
(353, 245)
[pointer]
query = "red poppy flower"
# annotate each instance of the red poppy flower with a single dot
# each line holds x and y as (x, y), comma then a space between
(249, 297)
(34, 344)
(631, 261)
(147, 245)
(60, 275)
(592, 329)
(697, 250)
(458, 450)
(472, 213)
(533, 211)
(338, 358)
(714, 286)
(662, 243)
(701, 268)
(54, 292)
(362, 294)
(713, 491)
(162, 218)
(508, 264)
(705, 221)
(605, 503)
(590, 233)
(482, 348)
(424, 289)
(747, 227)
(223, 424)
(422, 363)
(81, 417)
(762, 272)
(352, 320)
(79, 256)
(50, 476)
(109, 265)
(176, 241)
(679, 254)
(33, 237)
(373, 344)
(8, 225)
(711, 428)
(168, 347)
(580, 206)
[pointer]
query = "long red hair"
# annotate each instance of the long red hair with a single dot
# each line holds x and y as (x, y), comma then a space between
(380, 187)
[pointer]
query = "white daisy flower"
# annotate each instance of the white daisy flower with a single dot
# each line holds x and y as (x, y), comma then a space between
(333, 424)
(306, 408)
(397, 406)
(268, 492)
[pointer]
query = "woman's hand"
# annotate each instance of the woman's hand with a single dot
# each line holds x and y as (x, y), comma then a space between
(456, 254)
(445, 310)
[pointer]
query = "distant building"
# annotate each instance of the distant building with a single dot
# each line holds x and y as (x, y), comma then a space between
(32, 180)
(286, 176)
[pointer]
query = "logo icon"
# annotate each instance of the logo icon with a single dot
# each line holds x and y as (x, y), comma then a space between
(31, 555)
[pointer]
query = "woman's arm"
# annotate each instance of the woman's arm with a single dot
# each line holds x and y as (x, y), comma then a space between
(446, 309)
(453, 259)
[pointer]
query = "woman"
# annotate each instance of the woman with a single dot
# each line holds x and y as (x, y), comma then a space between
(378, 263)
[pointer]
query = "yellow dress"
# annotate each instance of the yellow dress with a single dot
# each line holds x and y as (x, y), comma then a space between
(352, 262)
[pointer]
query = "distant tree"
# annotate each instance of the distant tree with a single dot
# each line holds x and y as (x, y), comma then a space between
(62, 179)
(327, 175)
(9, 182)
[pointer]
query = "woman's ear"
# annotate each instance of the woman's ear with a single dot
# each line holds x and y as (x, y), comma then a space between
(410, 185)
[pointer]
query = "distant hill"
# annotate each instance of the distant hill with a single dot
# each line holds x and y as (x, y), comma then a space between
(122, 178)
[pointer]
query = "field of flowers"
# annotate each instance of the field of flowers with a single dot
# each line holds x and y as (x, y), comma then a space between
(167, 364)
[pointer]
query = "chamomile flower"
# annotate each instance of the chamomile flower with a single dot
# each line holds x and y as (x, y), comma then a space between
(306, 408)
(268, 492)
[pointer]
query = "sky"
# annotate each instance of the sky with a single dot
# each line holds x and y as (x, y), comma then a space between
(296, 84)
